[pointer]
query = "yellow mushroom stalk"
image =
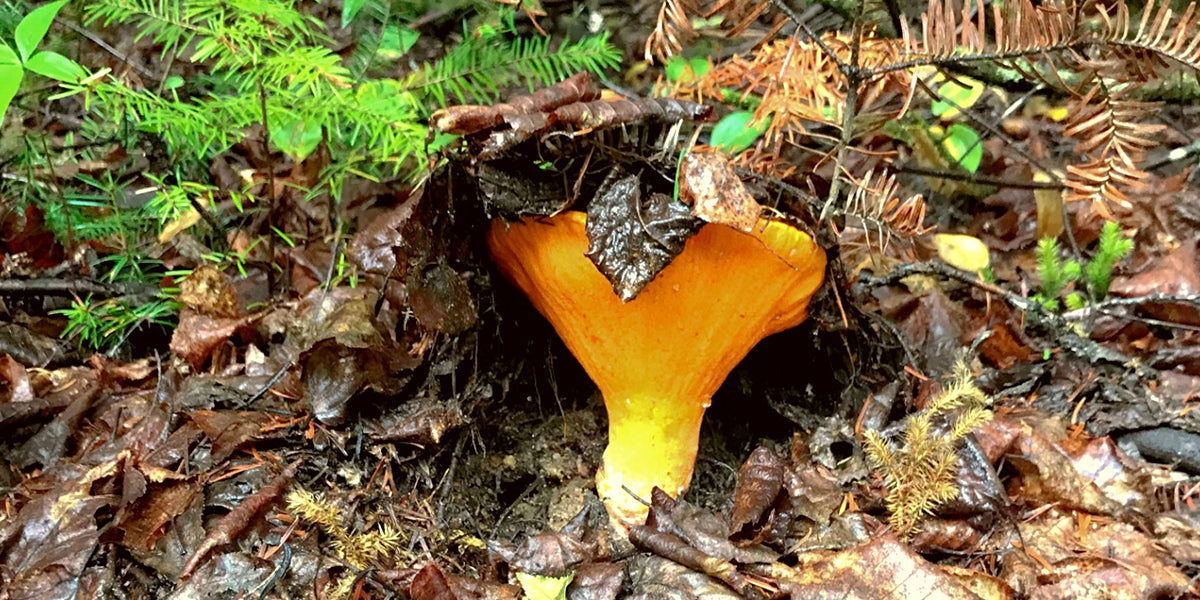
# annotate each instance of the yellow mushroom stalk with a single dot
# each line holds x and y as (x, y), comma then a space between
(659, 358)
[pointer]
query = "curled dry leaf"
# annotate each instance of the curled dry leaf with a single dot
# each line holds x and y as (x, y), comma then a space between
(716, 194)
(759, 483)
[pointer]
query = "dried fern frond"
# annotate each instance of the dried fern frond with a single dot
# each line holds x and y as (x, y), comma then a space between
(1178, 42)
(1109, 132)
(1018, 29)
(801, 86)
(874, 200)
(672, 30)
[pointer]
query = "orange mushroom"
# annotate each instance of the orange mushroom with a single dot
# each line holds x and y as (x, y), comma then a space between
(659, 358)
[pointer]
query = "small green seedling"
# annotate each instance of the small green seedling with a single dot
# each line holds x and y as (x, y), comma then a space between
(14, 63)
(1057, 274)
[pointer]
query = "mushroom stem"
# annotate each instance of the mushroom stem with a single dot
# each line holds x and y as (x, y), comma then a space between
(651, 443)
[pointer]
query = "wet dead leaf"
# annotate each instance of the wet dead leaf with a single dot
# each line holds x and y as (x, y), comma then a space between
(227, 430)
(881, 569)
(597, 581)
(1177, 273)
(630, 237)
(31, 348)
(198, 335)
(431, 584)
(657, 577)
(418, 421)
(441, 299)
(148, 519)
(1049, 476)
(58, 534)
(209, 292)
(551, 554)
(759, 483)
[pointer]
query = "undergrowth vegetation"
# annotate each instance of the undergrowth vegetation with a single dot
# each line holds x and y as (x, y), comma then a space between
(257, 65)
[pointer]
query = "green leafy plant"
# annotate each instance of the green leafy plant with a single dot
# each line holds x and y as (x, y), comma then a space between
(737, 131)
(269, 66)
(27, 37)
(106, 324)
(1056, 274)
(920, 472)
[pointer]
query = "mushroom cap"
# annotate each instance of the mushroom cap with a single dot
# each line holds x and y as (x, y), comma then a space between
(689, 327)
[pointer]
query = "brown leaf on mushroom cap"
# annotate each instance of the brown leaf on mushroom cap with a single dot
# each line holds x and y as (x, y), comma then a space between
(716, 194)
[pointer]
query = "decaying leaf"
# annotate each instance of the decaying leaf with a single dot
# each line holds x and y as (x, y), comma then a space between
(881, 569)
(209, 292)
(759, 484)
(716, 194)
(631, 238)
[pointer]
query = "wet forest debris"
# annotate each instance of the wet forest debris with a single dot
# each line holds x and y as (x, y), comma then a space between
(467, 119)
(237, 520)
(632, 235)
(573, 104)
(921, 472)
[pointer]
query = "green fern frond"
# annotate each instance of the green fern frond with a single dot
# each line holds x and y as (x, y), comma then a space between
(477, 70)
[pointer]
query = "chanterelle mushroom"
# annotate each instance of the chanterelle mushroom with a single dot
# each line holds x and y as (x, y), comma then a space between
(659, 358)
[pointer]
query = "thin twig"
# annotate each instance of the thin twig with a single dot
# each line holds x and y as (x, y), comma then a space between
(979, 178)
(95, 39)
(1060, 328)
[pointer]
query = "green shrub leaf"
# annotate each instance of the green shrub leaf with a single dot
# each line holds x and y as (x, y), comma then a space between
(963, 92)
(34, 26)
(962, 146)
(350, 10)
(10, 77)
(297, 138)
(396, 41)
(55, 66)
(737, 131)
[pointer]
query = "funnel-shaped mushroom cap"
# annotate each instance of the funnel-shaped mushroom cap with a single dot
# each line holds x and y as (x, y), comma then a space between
(659, 358)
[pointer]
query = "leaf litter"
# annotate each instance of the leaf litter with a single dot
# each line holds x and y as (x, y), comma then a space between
(441, 443)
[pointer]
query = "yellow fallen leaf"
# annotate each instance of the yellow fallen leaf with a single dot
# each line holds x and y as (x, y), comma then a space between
(962, 251)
